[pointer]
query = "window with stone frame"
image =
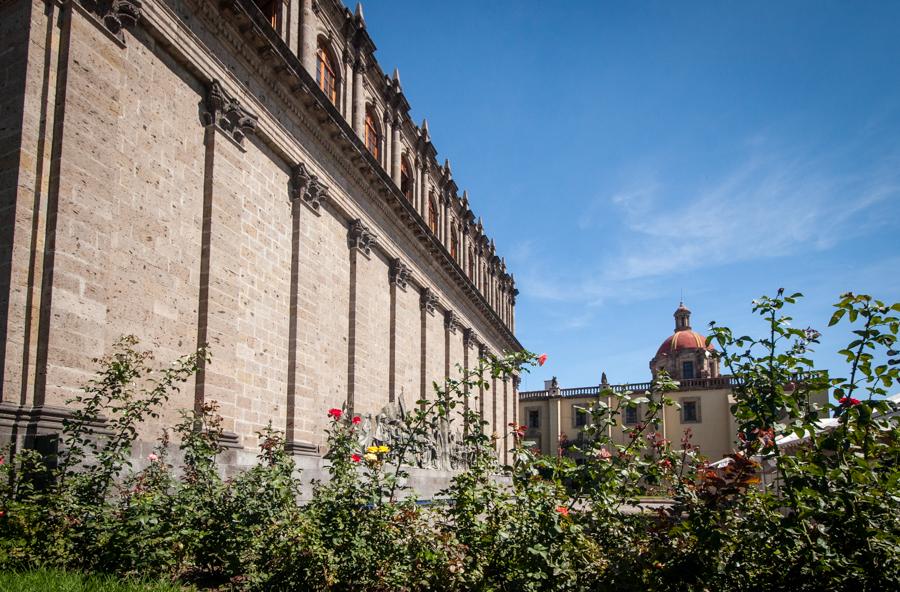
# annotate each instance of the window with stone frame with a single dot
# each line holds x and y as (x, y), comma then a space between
(690, 410)
(372, 133)
(406, 182)
(434, 217)
(687, 370)
(534, 419)
(326, 73)
(272, 11)
(579, 416)
(472, 264)
(631, 416)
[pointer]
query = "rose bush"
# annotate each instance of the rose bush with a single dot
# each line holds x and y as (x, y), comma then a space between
(826, 516)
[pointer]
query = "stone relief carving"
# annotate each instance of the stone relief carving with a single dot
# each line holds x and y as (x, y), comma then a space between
(122, 14)
(307, 187)
(439, 448)
(360, 237)
(400, 273)
(227, 114)
(428, 300)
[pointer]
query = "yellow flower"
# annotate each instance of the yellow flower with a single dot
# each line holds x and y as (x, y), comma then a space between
(372, 449)
(383, 449)
(371, 457)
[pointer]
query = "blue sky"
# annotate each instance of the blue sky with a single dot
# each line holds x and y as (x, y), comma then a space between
(620, 153)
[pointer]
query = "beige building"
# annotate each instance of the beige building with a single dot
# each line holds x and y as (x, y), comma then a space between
(704, 399)
(242, 174)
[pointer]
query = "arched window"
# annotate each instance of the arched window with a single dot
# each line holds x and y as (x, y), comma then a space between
(472, 264)
(272, 10)
(373, 134)
(454, 244)
(325, 73)
(406, 182)
(434, 218)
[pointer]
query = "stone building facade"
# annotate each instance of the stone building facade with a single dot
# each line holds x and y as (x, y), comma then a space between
(704, 399)
(241, 174)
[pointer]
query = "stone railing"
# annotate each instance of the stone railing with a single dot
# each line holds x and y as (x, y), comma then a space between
(692, 384)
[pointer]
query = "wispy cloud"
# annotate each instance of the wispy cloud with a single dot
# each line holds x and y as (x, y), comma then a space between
(775, 202)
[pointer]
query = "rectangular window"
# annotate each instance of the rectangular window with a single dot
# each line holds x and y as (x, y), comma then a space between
(690, 411)
(534, 418)
(631, 415)
(579, 416)
(687, 370)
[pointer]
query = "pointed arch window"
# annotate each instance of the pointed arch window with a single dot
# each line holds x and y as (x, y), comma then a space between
(373, 133)
(406, 182)
(326, 73)
(434, 218)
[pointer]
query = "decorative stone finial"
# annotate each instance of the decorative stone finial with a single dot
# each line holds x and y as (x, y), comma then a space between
(360, 19)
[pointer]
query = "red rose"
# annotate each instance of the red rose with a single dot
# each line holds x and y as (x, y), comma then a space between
(355, 457)
(849, 401)
(562, 510)
(542, 359)
(356, 420)
(335, 413)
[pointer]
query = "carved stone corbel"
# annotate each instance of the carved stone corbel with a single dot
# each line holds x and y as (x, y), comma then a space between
(469, 338)
(399, 274)
(452, 321)
(307, 187)
(226, 113)
(428, 300)
(360, 237)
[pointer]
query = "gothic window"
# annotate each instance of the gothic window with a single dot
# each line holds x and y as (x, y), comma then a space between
(434, 218)
(272, 11)
(325, 73)
(687, 370)
(690, 411)
(406, 182)
(373, 134)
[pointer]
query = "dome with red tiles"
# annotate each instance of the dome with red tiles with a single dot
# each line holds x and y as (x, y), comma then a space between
(684, 338)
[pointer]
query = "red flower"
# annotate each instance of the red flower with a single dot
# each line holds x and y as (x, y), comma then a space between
(355, 457)
(849, 401)
(562, 510)
(542, 359)
(356, 420)
(335, 413)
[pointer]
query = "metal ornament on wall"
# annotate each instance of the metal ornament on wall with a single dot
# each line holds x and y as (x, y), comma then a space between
(360, 237)
(307, 187)
(226, 113)
(399, 273)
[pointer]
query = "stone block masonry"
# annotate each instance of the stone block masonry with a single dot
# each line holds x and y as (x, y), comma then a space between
(173, 169)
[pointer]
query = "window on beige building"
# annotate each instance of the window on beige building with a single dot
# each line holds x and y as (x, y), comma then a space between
(631, 415)
(579, 416)
(534, 418)
(690, 410)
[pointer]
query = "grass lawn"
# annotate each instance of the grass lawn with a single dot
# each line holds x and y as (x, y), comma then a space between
(60, 581)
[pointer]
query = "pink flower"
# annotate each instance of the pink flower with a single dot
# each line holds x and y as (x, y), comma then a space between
(356, 420)
(335, 413)
(562, 510)
(152, 457)
(542, 359)
(355, 457)
(604, 454)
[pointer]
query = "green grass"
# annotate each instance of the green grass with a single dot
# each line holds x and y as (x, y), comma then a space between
(60, 581)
